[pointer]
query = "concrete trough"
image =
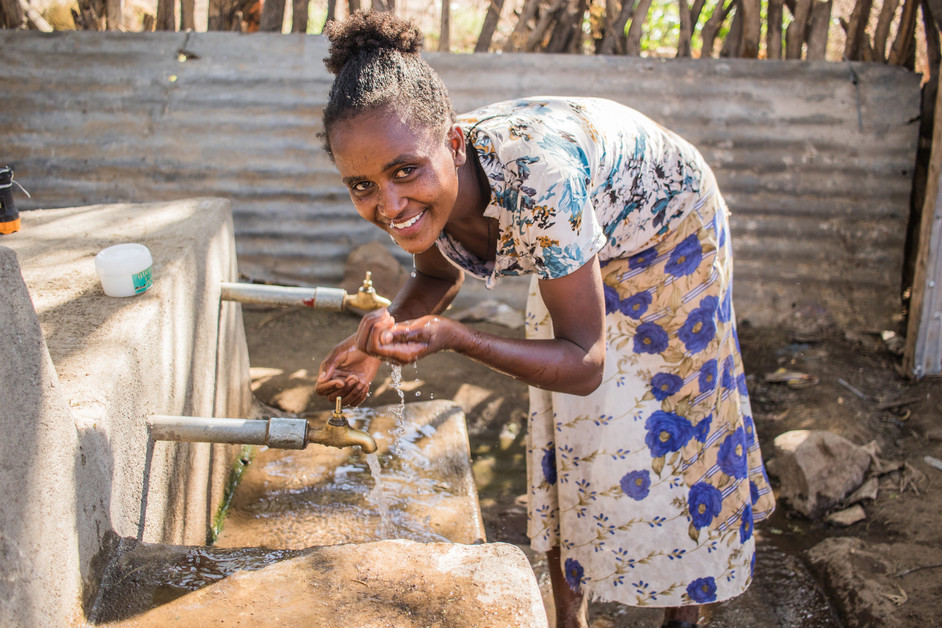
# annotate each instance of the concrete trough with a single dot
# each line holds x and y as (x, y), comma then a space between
(80, 374)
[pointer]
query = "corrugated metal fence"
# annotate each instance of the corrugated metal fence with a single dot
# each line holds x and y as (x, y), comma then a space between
(815, 159)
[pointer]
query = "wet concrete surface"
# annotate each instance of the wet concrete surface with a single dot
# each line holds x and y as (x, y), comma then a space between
(292, 499)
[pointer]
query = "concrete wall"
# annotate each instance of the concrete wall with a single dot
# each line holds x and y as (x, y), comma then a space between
(815, 159)
(80, 371)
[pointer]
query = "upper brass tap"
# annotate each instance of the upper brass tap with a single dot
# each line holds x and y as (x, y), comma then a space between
(366, 298)
(337, 432)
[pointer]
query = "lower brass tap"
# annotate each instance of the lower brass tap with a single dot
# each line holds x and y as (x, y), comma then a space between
(337, 432)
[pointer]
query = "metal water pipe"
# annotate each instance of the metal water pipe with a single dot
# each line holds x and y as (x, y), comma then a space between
(320, 298)
(276, 432)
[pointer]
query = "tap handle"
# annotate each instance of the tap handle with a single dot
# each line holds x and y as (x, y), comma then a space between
(338, 419)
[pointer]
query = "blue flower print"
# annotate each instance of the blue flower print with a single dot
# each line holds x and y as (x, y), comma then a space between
(702, 430)
(702, 590)
(650, 338)
(741, 385)
(749, 427)
(704, 502)
(636, 305)
(635, 484)
(745, 528)
(643, 259)
(709, 303)
(685, 258)
(574, 573)
(753, 492)
(549, 465)
(663, 385)
(732, 456)
(666, 432)
(728, 381)
(725, 311)
(612, 302)
(698, 330)
(707, 377)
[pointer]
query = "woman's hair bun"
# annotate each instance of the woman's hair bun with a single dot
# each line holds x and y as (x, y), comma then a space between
(369, 31)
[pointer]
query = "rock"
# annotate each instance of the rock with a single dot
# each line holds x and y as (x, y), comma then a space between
(817, 469)
(388, 275)
(385, 583)
(877, 584)
(492, 312)
(848, 516)
(867, 490)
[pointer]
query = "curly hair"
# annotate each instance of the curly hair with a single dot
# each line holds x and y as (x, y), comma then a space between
(375, 57)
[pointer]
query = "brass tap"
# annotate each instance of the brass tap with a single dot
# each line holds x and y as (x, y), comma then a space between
(337, 432)
(366, 298)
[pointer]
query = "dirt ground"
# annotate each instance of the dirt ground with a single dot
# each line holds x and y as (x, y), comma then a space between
(885, 570)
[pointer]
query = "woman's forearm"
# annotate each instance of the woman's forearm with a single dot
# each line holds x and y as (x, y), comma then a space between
(556, 364)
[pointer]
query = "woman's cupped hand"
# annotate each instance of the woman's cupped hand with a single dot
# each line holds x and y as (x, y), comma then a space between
(381, 336)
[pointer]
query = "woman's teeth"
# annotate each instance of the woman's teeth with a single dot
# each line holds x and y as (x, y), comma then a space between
(408, 223)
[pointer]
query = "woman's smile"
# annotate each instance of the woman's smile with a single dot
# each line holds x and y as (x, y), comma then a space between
(405, 224)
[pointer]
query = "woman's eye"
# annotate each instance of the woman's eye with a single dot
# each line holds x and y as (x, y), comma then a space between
(402, 173)
(360, 187)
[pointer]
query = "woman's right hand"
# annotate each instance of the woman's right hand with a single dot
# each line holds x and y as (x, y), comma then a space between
(347, 372)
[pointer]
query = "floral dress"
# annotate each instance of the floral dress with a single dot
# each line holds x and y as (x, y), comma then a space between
(650, 485)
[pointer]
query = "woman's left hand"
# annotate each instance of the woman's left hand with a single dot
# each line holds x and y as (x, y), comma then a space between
(404, 343)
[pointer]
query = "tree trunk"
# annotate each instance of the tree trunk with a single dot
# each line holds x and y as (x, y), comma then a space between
(13, 16)
(444, 38)
(686, 30)
(383, 5)
(751, 29)
(882, 30)
(518, 37)
(299, 14)
(856, 29)
(905, 43)
(773, 35)
(166, 15)
(220, 15)
(712, 27)
(491, 18)
(535, 40)
(616, 29)
(933, 44)
(818, 32)
(354, 5)
(187, 16)
(638, 17)
(567, 33)
(733, 44)
(273, 16)
(695, 12)
(797, 31)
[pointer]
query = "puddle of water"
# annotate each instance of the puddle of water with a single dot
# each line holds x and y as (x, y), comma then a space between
(145, 576)
(324, 496)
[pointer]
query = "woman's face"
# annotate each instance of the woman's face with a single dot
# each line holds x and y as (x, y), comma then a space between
(401, 179)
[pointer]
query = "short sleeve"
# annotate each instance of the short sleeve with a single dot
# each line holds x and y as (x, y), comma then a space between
(558, 226)
(540, 193)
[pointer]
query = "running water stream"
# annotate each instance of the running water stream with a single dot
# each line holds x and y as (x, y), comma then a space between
(376, 495)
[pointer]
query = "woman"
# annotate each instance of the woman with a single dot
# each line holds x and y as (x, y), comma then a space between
(645, 477)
